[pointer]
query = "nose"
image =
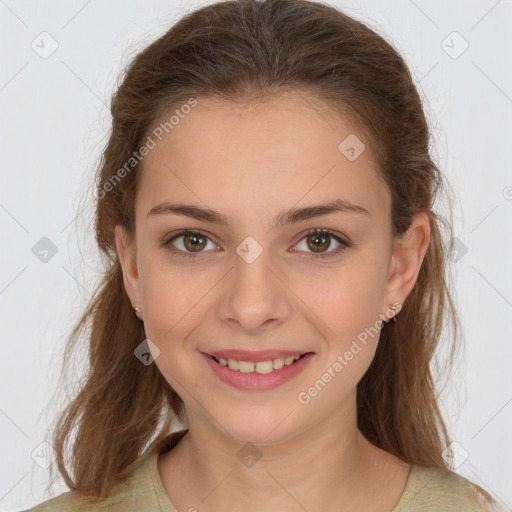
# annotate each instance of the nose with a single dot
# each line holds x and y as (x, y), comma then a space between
(254, 296)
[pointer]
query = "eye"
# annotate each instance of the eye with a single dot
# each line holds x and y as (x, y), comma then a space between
(192, 241)
(318, 240)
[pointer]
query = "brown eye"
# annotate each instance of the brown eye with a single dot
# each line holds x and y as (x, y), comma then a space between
(194, 242)
(318, 243)
(188, 243)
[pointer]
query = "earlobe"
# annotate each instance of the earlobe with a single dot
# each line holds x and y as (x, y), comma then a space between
(407, 258)
(126, 255)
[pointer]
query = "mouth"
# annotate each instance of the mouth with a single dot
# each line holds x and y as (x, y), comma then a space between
(260, 366)
(259, 375)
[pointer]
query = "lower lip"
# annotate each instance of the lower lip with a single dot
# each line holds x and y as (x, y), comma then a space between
(257, 381)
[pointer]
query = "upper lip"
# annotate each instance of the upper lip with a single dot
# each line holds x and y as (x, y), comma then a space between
(261, 355)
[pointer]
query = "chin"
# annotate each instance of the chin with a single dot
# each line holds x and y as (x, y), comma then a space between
(257, 429)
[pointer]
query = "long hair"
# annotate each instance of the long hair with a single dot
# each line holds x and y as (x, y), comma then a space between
(242, 51)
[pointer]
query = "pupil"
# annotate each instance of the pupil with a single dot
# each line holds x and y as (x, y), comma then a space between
(318, 240)
(195, 240)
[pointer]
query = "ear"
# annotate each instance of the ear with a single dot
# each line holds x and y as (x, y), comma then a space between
(406, 260)
(125, 247)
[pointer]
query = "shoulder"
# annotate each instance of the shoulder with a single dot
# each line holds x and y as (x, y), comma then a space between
(434, 489)
(65, 501)
(142, 490)
(132, 493)
(77, 503)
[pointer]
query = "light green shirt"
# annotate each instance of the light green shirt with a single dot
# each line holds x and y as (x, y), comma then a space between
(427, 490)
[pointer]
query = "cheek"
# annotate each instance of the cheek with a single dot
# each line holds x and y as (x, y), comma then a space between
(345, 309)
(345, 301)
(175, 302)
(175, 299)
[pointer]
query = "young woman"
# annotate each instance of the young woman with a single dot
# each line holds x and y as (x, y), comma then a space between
(275, 278)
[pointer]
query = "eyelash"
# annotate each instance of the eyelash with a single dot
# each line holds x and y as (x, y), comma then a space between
(320, 232)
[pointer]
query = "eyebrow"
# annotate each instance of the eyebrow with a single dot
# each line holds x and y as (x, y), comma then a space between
(291, 216)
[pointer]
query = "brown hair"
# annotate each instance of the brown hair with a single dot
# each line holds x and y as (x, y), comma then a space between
(243, 51)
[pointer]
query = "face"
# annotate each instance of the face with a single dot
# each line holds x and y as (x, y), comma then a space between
(264, 280)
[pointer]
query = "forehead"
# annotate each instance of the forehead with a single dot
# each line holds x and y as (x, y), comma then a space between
(259, 157)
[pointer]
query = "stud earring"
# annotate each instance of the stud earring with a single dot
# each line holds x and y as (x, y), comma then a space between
(137, 312)
(396, 307)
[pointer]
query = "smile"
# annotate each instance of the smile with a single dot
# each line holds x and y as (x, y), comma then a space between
(257, 376)
(262, 367)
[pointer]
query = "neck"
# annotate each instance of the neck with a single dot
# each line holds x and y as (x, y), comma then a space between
(329, 461)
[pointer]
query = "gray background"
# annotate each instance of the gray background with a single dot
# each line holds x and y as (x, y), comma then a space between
(54, 122)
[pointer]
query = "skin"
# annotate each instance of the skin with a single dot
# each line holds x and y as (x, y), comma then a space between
(250, 163)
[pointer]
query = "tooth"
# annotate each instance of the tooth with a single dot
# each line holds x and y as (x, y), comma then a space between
(246, 366)
(258, 367)
(264, 367)
(278, 364)
(233, 364)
